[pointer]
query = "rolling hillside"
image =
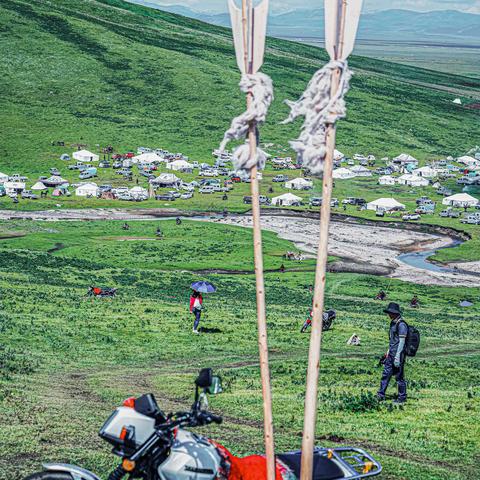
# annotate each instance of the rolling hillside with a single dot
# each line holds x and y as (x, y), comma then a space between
(110, 72)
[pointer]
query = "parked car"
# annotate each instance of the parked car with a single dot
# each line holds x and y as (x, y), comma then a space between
(124, 196)
(411, 216)
(174, 193)
(118, 164)
(334, 202)
(449, 214)
(29, 194)
(206, 189)
(235, 179)
(247, 200)
(280, 178)
(186, 196)
(471, 219)
(104, 165)
(208, 173)
(105, 188)
(167, 197)
(316, 201)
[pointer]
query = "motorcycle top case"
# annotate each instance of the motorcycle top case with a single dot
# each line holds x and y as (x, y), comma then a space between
(127, 417)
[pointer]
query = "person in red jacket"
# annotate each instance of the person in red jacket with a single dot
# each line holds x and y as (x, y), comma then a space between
(196, 301)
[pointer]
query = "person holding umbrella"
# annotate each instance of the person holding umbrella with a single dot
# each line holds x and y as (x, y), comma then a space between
(196, 301)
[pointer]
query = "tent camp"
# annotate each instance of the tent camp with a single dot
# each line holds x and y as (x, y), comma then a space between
(342, 173)
(299, 184)
(467, 160)
(412, 180)
(286, 200)
(460, 200)
(150, 157)
(39, 186)
(426, 172)
(87, 189)
(361, 171)
(180, 165)
(386, 180)
(166, 180)
(85, 156)
(54, 181)
(405, 158)
(386, 204)
(3, 178)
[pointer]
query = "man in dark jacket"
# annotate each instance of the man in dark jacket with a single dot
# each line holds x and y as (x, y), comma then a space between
(395, 358)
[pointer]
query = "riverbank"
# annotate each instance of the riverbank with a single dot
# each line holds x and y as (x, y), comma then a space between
(362, 247)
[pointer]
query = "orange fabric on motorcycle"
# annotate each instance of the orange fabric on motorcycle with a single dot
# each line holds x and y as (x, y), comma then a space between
(251, 468)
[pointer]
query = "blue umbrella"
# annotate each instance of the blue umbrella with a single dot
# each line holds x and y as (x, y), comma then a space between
(203, 287)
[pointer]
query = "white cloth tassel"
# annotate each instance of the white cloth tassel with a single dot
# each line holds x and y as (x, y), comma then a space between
(319, 111)
(261, 88)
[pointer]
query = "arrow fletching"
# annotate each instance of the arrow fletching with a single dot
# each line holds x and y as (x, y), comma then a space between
(341, 25)
(249, 36)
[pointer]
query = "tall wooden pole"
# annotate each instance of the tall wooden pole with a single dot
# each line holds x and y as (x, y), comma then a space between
(311, 397)
(258, 259)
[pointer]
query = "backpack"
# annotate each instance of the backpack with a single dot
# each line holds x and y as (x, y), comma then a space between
(412, 342)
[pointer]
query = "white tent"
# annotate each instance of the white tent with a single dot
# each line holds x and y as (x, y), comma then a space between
(427, 172)
(361, 171)
(467, 160)
(299, 184)
(87, 189)
(386, 204)
(150, 157)
(386, 180)
(39, 186)
(179, 165)
(85, 156)
(457, 101)
(166, 179)
(287, 199)
(3, 178)
(343, 173)
(138, 192)
(412, 180)
(14, 187)
(337, 155)
(54, 181)
(405, 158)
(460, 200)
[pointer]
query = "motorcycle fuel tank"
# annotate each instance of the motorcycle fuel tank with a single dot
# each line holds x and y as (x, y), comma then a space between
(191, 458)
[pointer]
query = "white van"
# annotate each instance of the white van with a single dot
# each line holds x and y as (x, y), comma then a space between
(207, 189)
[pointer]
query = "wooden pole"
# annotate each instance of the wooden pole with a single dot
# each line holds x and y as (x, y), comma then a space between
(311, 396)
(258, 259)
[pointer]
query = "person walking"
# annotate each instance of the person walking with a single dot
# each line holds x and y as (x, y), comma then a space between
(394, 360)
(196, 301)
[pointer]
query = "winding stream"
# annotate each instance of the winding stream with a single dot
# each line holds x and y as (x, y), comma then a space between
(420, 259)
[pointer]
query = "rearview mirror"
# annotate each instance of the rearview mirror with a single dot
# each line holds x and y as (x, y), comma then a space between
(215, 387)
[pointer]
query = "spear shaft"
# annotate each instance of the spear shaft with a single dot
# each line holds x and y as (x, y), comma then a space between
(311, 396)
(247, 11)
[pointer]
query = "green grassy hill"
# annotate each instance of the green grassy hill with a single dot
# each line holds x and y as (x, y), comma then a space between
(109, 72)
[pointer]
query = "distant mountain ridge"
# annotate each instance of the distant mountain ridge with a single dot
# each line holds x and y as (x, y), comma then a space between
(395, 24)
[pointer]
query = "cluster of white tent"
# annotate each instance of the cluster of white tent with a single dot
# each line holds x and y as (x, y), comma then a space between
(299, 184)
(149, 158)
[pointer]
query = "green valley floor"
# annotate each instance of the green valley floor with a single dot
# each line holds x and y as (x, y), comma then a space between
(67, 361)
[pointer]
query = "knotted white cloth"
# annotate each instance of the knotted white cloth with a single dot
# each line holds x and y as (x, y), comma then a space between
(261, 88)
(319, 110)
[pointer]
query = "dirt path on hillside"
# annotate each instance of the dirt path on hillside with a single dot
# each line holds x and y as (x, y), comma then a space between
(362, 248)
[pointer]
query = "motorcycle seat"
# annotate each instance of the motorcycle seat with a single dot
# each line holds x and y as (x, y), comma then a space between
(323, 468)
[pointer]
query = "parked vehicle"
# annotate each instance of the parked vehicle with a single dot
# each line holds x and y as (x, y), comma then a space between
(206, 189)
(167, 197)
(88, 173)
(235, 179)
(208, 173)
(186, 196)
(105, 188)
(449, 213)
(55, 171)
(156, 446)
(29, 194)
(247, 200)
(316, 201)
(411, 216)
(118, 164)
(124, 196)
(280, 178)
(334, 203)
(104, 165)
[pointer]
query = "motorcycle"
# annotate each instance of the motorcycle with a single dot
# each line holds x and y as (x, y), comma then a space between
(328, 317)
(101, 292)
(155, 446)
